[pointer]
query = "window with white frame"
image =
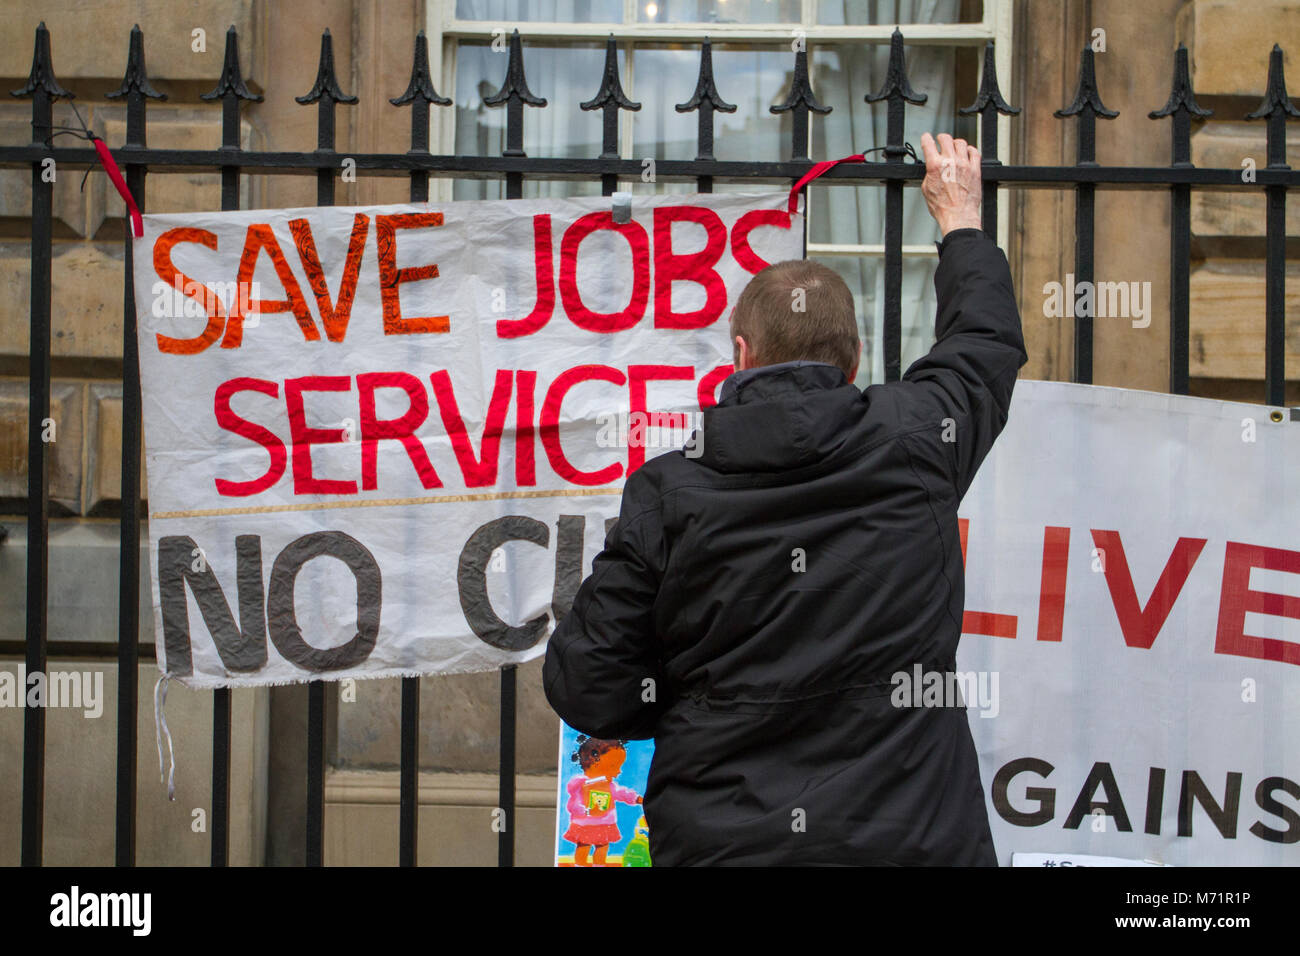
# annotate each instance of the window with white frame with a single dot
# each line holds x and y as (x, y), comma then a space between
(753, 63)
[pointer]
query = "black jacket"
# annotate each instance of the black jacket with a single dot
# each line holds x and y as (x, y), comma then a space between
(752, 605)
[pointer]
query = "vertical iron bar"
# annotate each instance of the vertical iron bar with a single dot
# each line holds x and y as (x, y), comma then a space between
(44, 89)
(705, 100)
(989, 103)
(221, 776)
(420, 93)
(506, 771)
(1083, 262)
(221, 698)
(325, 94)
(1087, 106)
(798, 104)
(1275, 266)
(316, 689)
(1275, 295)
(1277, 106)
(1180, 250)
(409, 807)
(610, 98)
(898, 92)
(1180, 273)
(1084, 223)
(507, 727)
(704, 184)
(609, 133)
(409, 810)
(128, 623)
(230, 89)
(316, 773)
(893, 329)
(1181, 107)
(420, 143)
(514, 93)
(135, 88)
(989, 157)
(506, 757)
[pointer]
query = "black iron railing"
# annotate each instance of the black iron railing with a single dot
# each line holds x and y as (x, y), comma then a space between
(418, 164)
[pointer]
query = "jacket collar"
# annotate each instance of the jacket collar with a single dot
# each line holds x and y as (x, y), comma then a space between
(736, 379)
(779, 417)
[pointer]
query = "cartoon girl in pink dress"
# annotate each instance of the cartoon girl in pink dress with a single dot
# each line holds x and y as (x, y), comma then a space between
(593, 818)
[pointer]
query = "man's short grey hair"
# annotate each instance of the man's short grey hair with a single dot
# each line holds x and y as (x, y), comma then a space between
(767, 316)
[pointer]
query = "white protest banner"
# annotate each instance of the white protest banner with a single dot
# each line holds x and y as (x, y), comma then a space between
(1131, 640)
(443, 400)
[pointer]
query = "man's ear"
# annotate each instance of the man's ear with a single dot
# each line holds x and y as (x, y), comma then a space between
(853, 374)
(744, 355)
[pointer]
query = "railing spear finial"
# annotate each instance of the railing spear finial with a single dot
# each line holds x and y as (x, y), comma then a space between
(705, 99)
(516, 83)
(897, 90)
(1275, 96)
(42, 74)
(1277, 106)
(514, 93)
(1086, 95)
(136, 78)
(421, 83)
(231, 82)
(611, 98)
(1087, 106)
(896, 82)
(990, 95)
(1181, 96)
(1182, 106)
(799, 103)
(327, 83)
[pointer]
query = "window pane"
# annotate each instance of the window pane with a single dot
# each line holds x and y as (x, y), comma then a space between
(865, 277)
(842, 75)
(557, 11)
(919, 307)
(565, 76)
(717, 11)
(859, 273)
(751, 77)
(877, 12)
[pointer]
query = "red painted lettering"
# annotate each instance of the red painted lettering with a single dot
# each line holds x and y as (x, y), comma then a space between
(688, 267)
(254, 432)
(374, 429)
(390, 277)
(303, 437)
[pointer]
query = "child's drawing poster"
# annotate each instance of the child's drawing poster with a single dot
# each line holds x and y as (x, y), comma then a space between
(599, 821)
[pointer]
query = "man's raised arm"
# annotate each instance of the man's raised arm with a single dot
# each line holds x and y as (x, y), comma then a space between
(965, 381)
